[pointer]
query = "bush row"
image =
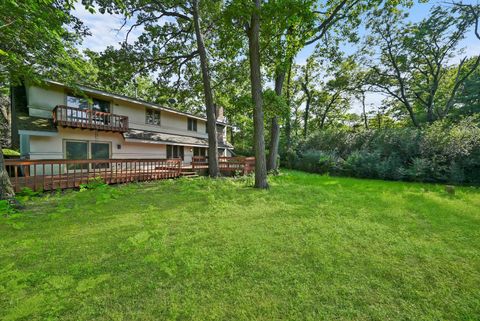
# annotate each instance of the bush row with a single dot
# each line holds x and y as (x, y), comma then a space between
(440, 152)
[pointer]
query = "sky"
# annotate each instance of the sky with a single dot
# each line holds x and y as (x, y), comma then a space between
(105, 32)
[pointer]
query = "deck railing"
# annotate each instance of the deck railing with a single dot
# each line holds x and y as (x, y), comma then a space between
(47, 175)
(89, 119)
(245, 165)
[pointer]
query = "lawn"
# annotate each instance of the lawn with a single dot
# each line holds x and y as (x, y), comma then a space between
(311, 248)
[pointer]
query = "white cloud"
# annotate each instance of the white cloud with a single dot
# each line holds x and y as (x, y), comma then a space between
(104, 29)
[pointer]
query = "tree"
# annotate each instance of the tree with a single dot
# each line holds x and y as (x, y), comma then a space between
(413, 62)
(207, 89)
(253, 34)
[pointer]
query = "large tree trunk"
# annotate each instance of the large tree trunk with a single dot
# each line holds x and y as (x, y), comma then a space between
(253, 32)
(365, 120)
(207, 90)
(272, 164)
(306, 115)
(288, 124)
(6, 188)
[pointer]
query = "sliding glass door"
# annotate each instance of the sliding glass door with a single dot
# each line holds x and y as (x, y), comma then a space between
(77, 149)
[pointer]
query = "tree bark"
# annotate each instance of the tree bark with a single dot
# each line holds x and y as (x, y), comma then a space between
(307, 111)
(253, 32)
(272, 164)
(207, 90)
(288, 124)
(6, 188)
(365, 120)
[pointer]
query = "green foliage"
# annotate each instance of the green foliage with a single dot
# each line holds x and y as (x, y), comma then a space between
(38, 39)
(441, 152)
(10, 152)
(6, 207)
(93, 183)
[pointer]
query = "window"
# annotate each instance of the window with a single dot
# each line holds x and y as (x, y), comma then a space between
(192, 124)
(199, 151)
(75, 149)
(77, 102)
(174, 151)
(101, 105)
(152, 117)
(100, 151)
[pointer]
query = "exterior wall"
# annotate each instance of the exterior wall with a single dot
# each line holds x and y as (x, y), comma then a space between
(51, 147)
(169, 122)
(42, 101)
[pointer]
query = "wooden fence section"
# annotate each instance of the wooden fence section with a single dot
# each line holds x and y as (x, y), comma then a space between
(54, 174)
(91, 119)
(245, 165)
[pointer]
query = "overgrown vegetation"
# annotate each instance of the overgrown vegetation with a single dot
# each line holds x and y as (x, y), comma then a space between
(10, 152)
(312, 247)
(442, 152)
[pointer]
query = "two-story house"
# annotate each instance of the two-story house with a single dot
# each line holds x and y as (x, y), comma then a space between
(54, 123)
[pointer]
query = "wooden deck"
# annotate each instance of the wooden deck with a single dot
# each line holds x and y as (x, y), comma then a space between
(45, 175)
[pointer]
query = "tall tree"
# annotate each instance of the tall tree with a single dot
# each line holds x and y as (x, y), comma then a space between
(253, 34)
(414, 61)
(207, 90)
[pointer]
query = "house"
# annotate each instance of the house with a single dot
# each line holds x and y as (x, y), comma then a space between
(55, 123)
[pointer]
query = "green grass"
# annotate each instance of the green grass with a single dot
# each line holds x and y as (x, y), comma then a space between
(311, 248)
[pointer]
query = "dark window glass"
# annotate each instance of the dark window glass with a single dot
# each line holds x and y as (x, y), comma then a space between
(174, 151)
(101, 105)
(76, 150)
(152, 117)
(199, 151)
(192, 124)
(100, 151)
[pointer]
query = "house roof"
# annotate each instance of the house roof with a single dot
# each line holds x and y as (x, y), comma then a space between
(30, 123)
(99, 92)
(134, 135)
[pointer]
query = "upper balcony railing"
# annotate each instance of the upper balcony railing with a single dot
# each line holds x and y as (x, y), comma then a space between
(89, 119)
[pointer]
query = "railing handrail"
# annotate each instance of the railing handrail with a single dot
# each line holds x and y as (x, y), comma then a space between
(49, 174)
(97, 112)
(88, 118)
(86, 161)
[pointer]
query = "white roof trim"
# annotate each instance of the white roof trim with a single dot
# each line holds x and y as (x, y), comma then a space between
(37, 133)
(132, 140)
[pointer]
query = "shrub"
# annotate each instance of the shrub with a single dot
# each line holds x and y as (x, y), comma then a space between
(93, 183)
(440, 152)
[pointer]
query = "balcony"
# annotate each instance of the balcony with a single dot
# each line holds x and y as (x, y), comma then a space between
(89, 119)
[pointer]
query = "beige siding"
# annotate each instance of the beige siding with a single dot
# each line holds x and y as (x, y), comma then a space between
(41, 101)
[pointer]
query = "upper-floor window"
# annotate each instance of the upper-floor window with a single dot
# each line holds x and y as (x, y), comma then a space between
(84, 103)
(192, 124)
(152, 116)
(77, 102)
(101, 105)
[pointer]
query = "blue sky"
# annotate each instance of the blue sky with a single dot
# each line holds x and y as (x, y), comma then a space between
(104, 29)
